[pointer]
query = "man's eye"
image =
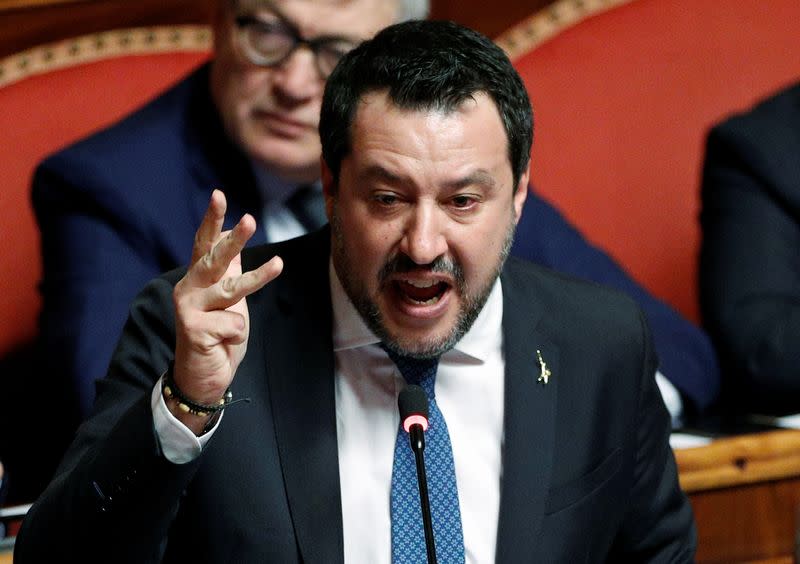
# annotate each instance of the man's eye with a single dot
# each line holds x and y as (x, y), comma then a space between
(463, 201)
(337, 48)
(268, 27)
(272, 31)
(386, 199)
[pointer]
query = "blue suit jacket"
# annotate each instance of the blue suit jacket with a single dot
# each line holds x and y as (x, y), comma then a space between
(120, 207)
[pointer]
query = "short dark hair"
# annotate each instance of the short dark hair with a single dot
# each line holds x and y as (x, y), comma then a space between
(426, 65)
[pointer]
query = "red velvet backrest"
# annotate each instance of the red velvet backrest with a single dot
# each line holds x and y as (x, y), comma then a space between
(624, 92)
(51, 96)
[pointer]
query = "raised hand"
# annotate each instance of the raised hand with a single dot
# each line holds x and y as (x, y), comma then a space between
(212, 321)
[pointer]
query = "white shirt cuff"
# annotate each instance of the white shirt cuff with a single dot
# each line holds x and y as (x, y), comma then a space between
(178, 443)
(672, 399)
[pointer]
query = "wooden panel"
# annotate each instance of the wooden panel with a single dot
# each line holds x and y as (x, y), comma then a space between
(11, 4)
(740, 460)
(26, 23)
(747, 523)
(745, 492)
(38, 23)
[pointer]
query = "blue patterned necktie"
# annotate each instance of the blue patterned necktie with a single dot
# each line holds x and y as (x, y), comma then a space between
(408, 536)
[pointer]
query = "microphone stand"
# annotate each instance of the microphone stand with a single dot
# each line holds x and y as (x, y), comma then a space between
(417, 437)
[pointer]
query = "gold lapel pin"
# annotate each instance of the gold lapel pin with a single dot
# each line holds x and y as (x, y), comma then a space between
(544, 374)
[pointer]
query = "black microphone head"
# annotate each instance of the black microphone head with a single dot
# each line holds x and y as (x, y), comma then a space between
(413, 405)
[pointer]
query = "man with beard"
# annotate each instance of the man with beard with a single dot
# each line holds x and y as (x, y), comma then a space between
(547, 438)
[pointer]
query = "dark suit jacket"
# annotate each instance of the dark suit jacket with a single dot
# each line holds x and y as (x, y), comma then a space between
(121, 207)
(750, 260)
(588, 474)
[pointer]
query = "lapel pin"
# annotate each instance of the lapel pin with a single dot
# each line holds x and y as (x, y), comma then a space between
(544, 374)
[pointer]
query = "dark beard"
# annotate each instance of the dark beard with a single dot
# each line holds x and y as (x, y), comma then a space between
(368, 309)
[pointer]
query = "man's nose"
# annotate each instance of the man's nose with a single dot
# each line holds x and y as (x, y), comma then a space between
(424, 238)
(297, 78)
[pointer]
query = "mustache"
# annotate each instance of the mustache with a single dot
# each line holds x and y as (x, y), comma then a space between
(401, 264)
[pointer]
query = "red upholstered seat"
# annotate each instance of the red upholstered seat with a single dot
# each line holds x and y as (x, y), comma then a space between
(51, 96)
(624, 92)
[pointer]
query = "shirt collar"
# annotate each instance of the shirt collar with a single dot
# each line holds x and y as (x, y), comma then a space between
(350, 331)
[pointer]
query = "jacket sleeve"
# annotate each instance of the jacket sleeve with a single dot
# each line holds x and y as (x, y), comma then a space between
(114, 493)
(96, 257)
(686, 356)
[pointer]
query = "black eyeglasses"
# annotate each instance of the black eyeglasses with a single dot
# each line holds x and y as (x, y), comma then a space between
(270, 43)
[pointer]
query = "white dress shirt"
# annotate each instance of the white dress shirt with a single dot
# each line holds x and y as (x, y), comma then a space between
(672, 399)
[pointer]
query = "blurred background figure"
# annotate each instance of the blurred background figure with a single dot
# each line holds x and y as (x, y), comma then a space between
(750, 258)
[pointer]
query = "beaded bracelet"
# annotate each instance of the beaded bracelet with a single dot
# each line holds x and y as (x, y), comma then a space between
(170, 390)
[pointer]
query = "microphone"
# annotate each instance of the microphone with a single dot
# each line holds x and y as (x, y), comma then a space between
(413, 405)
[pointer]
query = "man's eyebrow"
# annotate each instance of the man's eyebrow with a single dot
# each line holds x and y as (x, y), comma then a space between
(377, 172)
(287, 21)
(266, 5)
(261, 5)
(480, 177)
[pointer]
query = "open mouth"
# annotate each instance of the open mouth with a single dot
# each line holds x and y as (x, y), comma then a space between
(421, 292)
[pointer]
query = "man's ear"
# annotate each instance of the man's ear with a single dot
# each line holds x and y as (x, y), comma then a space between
(521, 192)
(328, 187)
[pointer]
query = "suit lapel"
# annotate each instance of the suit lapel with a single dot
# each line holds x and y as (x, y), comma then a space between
(216, 162)
(530, 411)
(299, 364)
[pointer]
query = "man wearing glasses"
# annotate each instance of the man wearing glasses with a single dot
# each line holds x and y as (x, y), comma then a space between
(122, 206)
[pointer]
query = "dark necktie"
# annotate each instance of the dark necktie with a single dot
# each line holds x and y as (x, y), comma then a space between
(307, 204)
(408, 536)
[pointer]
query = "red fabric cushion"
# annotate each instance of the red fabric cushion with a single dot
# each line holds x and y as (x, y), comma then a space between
(41, 114)
(622, 102)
